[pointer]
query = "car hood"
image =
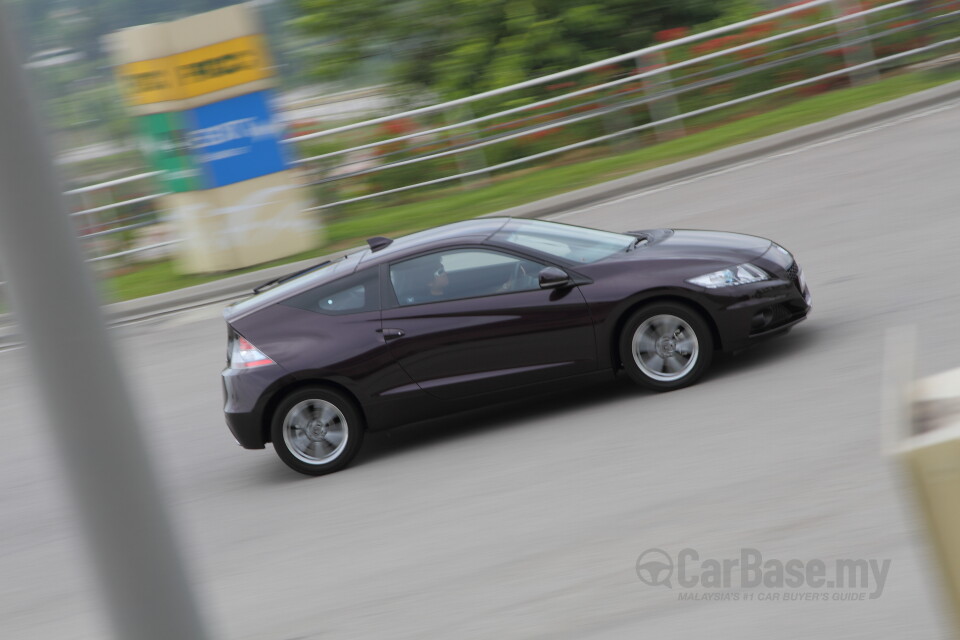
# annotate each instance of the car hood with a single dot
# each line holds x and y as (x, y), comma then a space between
(707, 246)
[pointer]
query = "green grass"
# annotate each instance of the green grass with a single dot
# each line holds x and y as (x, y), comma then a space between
(529, 185)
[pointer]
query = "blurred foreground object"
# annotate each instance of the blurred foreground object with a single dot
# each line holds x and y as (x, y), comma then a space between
(201, 89)
(96, 430)
(926, 439)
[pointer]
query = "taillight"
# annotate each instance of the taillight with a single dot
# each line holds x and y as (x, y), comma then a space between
(244, 355)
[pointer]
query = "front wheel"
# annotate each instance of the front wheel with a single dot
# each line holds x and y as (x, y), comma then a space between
(666, 346)
(317, 431)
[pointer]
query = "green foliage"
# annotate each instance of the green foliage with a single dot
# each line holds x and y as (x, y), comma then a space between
(462, 47)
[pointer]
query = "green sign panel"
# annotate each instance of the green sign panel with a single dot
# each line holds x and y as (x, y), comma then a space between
(163, 138)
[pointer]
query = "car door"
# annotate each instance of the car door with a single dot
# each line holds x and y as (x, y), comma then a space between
(468, 321)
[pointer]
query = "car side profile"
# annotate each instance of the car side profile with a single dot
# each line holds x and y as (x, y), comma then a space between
(485, 311)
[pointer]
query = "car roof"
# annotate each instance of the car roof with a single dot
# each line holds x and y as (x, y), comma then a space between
(474, 231)
(469, 231)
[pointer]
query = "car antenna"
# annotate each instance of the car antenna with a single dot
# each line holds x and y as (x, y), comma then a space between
(378, 242)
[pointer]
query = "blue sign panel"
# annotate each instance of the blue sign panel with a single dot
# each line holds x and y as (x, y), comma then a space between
(236, 139)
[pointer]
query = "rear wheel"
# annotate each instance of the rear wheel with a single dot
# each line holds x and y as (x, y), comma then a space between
(317, 431)
(666, 346)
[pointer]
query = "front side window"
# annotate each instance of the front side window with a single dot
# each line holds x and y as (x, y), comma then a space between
(576, 244)
(354, 294)
(461, 273)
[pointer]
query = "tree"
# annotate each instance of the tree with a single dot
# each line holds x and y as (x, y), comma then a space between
(460, 47)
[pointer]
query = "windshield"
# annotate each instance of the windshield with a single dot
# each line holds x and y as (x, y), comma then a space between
(576, 244)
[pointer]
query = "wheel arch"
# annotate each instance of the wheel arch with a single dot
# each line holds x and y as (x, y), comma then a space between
(284, 392)
(655, 298)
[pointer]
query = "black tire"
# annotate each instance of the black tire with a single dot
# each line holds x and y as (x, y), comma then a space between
(317, 430)
(665, 346)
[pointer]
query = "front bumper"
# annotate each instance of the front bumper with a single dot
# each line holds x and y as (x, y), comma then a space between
(764, 309)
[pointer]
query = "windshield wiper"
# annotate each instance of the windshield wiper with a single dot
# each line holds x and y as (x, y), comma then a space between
(289, 276)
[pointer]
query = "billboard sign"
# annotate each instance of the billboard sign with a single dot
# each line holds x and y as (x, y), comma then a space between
(236, 139)
(164, 141)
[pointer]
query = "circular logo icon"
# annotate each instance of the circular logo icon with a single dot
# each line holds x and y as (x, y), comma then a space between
(655, 567)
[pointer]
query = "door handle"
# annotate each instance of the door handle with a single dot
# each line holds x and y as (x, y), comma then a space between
(390, 334)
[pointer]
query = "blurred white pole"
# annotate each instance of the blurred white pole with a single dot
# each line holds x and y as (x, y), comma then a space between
(855, 54)
(473, 161)
(665, 107)
(142, 575)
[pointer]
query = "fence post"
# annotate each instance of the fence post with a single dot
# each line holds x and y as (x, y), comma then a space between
(919, 12)
(616, 120)
(663, 103)
(467, 160)
(312, 176)
(854, 54)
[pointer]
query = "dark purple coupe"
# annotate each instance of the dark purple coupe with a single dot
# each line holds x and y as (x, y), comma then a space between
(487, 310)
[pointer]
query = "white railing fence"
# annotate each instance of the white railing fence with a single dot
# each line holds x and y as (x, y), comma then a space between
(107, 214)
(638, 97)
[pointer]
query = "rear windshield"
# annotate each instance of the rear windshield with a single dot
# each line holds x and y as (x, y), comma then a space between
(575, 244)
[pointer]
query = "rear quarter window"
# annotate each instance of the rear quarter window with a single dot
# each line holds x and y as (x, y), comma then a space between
(356, 293)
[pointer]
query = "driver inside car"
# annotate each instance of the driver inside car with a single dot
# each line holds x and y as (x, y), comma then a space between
(423, 281)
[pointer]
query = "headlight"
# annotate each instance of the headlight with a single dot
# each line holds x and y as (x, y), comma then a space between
(741, 274)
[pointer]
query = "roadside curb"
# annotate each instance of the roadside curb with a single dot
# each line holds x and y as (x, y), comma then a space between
(237, 286)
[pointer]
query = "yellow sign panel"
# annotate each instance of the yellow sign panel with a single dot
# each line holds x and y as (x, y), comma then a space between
(221, 65)
(149, 81)
(197, 72)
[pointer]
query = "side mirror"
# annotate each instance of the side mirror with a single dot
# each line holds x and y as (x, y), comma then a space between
(553, 278)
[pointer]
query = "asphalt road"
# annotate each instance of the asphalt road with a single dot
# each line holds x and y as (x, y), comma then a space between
(526, 521)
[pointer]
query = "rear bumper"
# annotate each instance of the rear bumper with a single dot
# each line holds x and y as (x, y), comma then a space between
(246, 429)
(243, 391)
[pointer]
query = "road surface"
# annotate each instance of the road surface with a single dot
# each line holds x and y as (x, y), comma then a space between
(526, 521)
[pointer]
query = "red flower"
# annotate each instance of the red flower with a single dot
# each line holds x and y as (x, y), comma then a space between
(666, 35)
(843, 51)
(814, 89)
(385, 149)
(604, 71)
(400, 126)
(702, 48)
(757, 31)
(746, 54)
(723, 42)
